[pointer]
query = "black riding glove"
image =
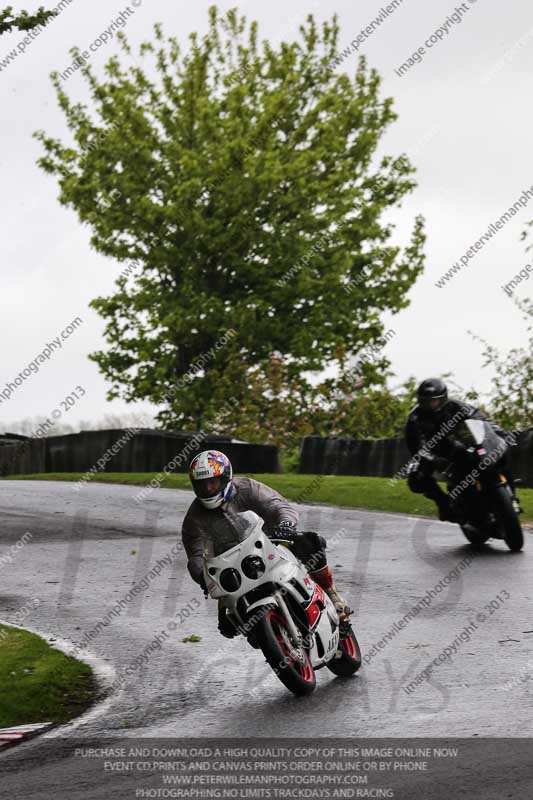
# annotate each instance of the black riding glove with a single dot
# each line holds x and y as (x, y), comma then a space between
(284, 530)
(424, 465)
(412, 468)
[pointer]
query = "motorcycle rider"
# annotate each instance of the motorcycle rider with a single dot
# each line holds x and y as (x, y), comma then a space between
(218, 492)
(426, 434)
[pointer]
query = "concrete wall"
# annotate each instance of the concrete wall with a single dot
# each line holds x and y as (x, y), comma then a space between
(144, 451)
(385, 457)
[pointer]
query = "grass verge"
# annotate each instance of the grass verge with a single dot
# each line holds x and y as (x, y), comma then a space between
(40, 684)
(375, 494)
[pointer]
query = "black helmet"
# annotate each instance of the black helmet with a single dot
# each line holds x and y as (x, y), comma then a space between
(432, 394)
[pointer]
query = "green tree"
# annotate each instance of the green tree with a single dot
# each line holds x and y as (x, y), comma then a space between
(269, 405)
(511, 399)
(243, 181)
(23, 21)
(364, 412)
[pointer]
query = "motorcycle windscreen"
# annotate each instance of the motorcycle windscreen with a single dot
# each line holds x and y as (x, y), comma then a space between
(223, 530)
(476, 428)
(480, 433)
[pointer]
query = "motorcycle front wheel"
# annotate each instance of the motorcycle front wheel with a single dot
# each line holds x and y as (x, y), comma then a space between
(474, 536)
(291, 664)
(508, 518)
(347, 659)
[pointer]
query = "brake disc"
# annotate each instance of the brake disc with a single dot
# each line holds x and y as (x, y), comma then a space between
(296, 652)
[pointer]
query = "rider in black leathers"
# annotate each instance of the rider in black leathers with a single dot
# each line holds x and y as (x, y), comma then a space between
(426, 433)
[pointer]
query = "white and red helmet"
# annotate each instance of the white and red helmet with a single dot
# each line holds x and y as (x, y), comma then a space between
(211, 475)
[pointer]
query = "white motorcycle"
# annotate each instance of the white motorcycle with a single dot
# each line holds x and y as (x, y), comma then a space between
(269, 597)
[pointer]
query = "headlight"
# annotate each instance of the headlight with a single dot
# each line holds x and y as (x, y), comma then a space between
(253, 567)
(230, 580)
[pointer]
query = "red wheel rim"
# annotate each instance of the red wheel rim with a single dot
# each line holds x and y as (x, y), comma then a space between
(305, 669)
(350, 648)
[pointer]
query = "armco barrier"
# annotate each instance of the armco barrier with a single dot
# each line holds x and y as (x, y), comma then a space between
(144, 451)
(523, 457)
(384, 458)
(21, 455)
(343, 456)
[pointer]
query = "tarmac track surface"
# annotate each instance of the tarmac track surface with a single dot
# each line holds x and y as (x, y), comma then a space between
(88, 548)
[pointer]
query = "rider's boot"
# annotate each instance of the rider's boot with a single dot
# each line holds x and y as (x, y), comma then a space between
(225, 627)
(324, 578)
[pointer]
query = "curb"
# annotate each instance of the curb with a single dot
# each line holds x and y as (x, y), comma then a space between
(10, 736)
(104, 674)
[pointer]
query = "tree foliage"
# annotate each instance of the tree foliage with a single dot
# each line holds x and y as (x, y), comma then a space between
(23, 21)
(510, 401)
(243, 181)
(273, 407)
(368, 412)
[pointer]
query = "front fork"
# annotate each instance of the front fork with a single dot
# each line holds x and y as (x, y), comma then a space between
(293, 630)
(485, 510)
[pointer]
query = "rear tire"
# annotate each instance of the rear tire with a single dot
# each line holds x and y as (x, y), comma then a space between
(347, 660)
(297, 674)
(508, 518)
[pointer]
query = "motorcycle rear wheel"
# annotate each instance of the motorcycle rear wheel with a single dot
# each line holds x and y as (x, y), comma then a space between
(273, 637)
(507, 516)
(347, 660)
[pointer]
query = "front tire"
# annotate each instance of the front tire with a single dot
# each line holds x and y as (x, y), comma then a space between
(292, 665)
(474, 536)
(508, 518)
(347, 659)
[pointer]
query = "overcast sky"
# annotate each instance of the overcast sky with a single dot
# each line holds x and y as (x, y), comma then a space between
(465, 119)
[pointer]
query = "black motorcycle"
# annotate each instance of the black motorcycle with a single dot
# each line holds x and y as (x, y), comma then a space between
(482, 498)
